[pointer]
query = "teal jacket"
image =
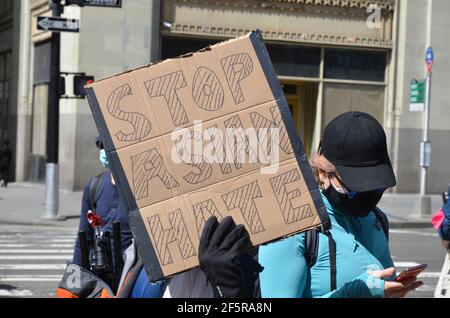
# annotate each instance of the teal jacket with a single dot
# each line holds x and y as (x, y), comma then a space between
(361, 247)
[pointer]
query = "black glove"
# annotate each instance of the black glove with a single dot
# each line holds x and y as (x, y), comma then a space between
(219, 250)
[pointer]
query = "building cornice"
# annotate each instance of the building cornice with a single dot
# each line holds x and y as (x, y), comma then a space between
(289, 5)
(306, 38)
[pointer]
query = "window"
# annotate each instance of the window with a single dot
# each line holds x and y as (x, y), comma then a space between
(176, 46)
(5, 6)
(355, 65)
(295, 60)
(288, 60)
(341, 98)
(42, 63)
(41, 80)
(5, 78)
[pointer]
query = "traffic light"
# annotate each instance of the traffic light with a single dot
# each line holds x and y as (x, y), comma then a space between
(79, 82)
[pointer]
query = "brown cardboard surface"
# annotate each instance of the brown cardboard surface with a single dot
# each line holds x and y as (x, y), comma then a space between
(229, 85)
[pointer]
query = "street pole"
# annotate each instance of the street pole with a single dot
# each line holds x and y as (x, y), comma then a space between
(424, 201)
(424, 147)
(52, 169)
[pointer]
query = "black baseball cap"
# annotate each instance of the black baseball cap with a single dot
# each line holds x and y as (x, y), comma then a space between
(356, 144)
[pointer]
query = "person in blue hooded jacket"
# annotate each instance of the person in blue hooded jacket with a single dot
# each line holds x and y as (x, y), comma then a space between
(353, 170)
(110, 207)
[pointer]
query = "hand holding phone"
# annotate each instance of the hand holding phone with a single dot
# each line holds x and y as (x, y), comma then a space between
(411, 272)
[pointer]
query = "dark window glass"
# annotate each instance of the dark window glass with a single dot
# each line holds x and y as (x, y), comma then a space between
(355, 65)
(2, 67)
(42, 63)
(289, 89)
(288, 60)
(294, 60)
(176, 46)
(8, 65)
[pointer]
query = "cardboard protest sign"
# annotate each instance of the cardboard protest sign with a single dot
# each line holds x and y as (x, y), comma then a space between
(209, 133)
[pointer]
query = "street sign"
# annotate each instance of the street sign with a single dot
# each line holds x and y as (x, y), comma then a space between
(96, 3)
(58, 24)
(430, 56)
(417, 96)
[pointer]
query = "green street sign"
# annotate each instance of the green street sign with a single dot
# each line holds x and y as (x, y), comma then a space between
(417, 96)
(417, 92)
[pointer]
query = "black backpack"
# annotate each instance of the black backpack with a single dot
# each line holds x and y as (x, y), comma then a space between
(93, 187)
(311, 241)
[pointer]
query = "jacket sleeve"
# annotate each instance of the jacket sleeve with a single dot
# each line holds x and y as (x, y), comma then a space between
(84, 225)
(363, 286)
(285, 269)
(285, 274)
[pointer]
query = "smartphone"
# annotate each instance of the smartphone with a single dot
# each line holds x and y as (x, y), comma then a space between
(411, 272)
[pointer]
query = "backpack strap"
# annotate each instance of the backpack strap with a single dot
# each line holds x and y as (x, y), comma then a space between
(382, 220)
(311, 241)
(93, 187)
(332, 253)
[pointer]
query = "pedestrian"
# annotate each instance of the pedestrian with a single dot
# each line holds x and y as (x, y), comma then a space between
(5, 163)
(353, 170)
(109, 206)
(441, 221)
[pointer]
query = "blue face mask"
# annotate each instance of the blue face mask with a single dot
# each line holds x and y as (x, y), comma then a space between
(104, 159)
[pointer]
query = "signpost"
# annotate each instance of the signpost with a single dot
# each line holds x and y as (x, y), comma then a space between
(52, 167)
(55, 24)
(424, 204)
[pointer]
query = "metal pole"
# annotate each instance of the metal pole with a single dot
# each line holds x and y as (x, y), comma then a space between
(52, 170)
(426, 123)
(424, 201)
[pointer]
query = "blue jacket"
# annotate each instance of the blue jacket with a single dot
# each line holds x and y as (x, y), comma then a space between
(110, 209)
(444, 230)
(143, 288)
(361, 246)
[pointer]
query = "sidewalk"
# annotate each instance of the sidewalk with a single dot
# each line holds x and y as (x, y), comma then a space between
(24, 203)
(400, 209)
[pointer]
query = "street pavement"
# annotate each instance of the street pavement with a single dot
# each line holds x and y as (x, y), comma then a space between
(33, 259)
(411, 247)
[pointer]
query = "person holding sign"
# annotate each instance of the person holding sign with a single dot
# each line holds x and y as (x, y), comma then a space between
(351, 260)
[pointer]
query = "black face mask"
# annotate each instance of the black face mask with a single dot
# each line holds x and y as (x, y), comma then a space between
(359, 207)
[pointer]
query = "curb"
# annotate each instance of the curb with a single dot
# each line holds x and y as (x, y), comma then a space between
(410, 225)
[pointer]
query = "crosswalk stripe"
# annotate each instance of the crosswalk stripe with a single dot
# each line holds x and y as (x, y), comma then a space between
(42, 241)
(30, 278)
(15, 293)
(35, 251)
(405, 264)
(32, 266)
(35, 257)
(2, 237)
(37, 245)
(430, 275)
(400, 231)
